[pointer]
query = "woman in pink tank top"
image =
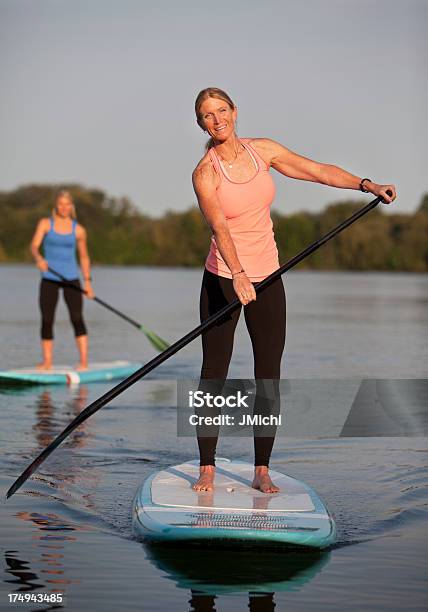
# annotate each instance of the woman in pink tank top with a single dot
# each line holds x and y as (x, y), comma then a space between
(235, 192)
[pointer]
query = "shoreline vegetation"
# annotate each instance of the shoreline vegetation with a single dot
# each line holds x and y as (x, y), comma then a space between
(119, 234)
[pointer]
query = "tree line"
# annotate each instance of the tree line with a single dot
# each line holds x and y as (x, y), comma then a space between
(119, 234)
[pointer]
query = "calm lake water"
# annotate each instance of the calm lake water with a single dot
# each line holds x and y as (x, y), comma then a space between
(68, 529)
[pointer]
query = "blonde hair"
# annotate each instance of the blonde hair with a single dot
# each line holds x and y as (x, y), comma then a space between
(63, 193)
(210, 92)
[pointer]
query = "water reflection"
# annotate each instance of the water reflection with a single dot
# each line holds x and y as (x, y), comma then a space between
(207, 574)
(48, 421)
(24, 579)
(67, 481)
(52, 533)
(68, 470)
(257, 602)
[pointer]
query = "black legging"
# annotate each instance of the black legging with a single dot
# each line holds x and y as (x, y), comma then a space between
(48, 300)
(265, 320)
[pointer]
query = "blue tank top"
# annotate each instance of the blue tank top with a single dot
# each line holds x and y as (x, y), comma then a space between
(60, 253)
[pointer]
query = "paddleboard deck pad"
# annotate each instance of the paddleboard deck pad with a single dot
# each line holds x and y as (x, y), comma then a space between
(67, 375)
(166, 509)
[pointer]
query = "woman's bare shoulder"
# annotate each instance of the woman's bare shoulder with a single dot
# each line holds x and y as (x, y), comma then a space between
(44, 224)
(204, 170)
(261, 144)
(265, 147)
(80, 231)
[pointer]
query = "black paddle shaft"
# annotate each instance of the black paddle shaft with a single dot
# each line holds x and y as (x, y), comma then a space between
(174, 348)
(96, 299)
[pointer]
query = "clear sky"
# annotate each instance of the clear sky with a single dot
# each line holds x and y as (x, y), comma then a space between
(101, 92)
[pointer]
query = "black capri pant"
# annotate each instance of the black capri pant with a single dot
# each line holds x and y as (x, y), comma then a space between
(266, 323)
(48, 300)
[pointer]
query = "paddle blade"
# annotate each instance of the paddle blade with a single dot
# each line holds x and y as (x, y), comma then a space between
(39, 460)
(157, 342)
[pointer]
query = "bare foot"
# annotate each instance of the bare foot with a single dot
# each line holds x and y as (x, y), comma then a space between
(44, 366)
(206, 478)
(81, 366)
(262, 481)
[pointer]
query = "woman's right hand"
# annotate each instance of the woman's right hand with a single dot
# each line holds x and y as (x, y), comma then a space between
(244, 288)
(42, 264)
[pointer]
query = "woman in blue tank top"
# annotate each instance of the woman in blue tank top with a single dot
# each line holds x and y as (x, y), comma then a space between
(60, 235)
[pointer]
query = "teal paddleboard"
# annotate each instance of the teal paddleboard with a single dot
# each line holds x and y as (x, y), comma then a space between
(67, 375)
(167, 509)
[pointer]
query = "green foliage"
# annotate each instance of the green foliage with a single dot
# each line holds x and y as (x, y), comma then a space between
(423, 206)
(293, 233)
(119, 234)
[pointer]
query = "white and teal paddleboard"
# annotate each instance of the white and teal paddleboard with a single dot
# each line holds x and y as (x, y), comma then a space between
(166, 509)
(67, 375)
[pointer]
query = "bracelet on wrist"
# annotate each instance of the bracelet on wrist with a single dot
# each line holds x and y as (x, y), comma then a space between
(362, 188)
(242, 271)
(88, 278)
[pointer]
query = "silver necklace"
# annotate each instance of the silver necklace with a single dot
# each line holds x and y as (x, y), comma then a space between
(230, 164)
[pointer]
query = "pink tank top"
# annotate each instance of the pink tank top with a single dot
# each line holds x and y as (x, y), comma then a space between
(246, 207)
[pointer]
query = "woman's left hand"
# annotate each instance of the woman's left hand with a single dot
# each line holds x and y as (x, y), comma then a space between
(381, 191)
(89, 291)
